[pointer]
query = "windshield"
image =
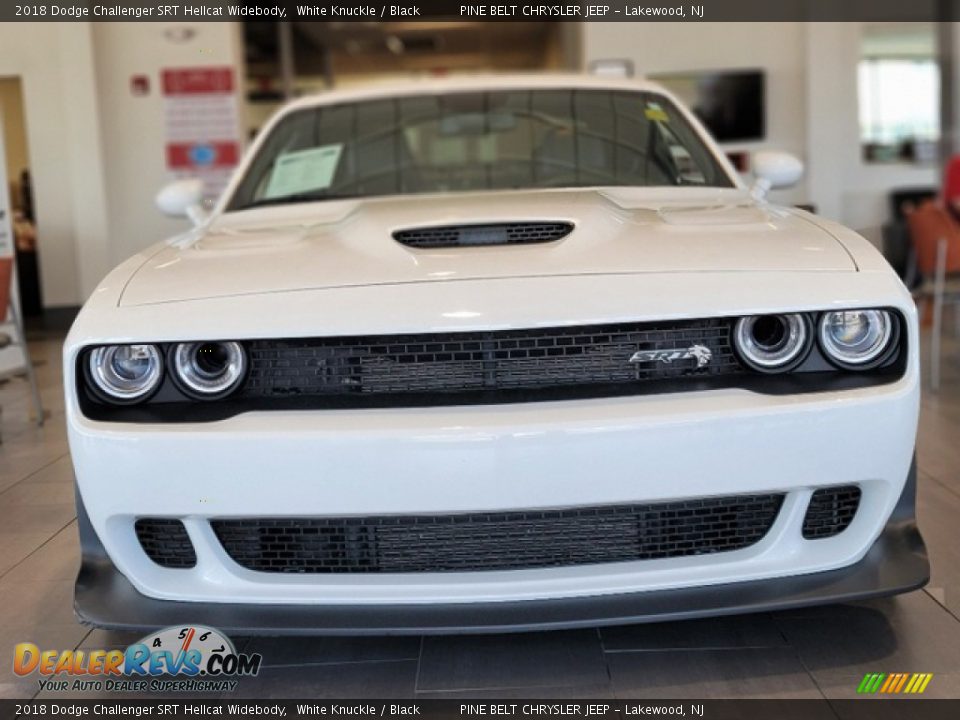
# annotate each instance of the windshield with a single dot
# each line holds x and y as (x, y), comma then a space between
(463, 142)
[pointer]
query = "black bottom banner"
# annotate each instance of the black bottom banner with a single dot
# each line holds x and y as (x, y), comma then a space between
(510, 709)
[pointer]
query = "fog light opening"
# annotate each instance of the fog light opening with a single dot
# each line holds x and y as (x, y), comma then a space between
(769, 332)
(773, 343)
(211, 360)
(209, 370)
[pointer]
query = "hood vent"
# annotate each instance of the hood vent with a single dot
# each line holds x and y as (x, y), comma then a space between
(477, 235)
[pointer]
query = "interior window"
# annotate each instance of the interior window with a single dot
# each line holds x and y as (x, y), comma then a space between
(899, 93)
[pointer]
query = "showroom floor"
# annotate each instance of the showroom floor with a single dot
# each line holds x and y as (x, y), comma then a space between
(815, 653)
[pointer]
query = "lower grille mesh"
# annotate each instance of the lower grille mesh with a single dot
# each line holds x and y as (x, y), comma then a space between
(831, 511)
(498, 541)
(166, 542)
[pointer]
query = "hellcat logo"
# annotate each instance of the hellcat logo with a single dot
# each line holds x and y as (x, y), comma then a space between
(701, 353)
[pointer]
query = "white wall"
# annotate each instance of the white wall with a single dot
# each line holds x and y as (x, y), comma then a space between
(778, 48)
(132, 127)
(63, 143)
(96, 151)
(84, 171)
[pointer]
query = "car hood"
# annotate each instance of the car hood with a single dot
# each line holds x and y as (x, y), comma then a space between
(615, 231)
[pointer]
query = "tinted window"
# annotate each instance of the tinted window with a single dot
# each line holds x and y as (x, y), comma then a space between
(478, 141)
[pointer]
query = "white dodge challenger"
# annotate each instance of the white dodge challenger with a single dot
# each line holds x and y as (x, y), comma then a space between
(485, 355)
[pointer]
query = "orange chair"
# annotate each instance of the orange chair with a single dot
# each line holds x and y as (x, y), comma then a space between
(935, 236)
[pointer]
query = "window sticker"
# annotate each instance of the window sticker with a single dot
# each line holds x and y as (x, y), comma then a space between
(304, 171)
(654, 112)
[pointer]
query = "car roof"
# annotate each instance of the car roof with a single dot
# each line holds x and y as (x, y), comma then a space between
(468, 83)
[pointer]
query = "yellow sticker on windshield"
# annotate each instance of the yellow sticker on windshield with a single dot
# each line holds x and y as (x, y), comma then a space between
(656, 113)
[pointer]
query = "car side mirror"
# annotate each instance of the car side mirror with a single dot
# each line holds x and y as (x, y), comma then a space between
(773, 169)
(183, 198)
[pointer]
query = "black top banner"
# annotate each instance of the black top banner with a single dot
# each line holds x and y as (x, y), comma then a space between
(483, 11)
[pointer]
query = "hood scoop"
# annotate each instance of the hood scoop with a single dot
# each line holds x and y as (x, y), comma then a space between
(449, 236)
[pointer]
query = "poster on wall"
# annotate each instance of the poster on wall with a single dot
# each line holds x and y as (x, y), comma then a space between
(202, 125)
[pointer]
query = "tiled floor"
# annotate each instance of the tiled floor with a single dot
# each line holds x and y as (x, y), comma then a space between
(820, 652)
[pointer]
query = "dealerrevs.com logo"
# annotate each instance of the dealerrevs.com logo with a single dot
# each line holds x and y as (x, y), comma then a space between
(189, 658)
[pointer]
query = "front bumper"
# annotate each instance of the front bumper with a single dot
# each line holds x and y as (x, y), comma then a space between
(443, 461)
(896, 563)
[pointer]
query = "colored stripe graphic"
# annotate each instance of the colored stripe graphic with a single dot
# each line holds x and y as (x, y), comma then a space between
(920, 684)
(903, 681)
(870, 683)
(894, 683)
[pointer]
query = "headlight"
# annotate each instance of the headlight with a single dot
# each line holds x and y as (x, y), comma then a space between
(209, 369)
(772, 343)
(855, 338)
(125, 373)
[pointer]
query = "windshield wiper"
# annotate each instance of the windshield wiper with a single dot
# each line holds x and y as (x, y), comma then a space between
(296, 198)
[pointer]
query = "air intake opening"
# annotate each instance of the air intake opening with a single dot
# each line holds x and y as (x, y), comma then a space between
(508, 540)
(831, 511)
(479, 235)
(165, 541)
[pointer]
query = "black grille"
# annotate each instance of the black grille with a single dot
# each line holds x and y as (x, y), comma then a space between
(589, 359)
(499, 234)
(166, 542)
(831, 511)
(501, 540)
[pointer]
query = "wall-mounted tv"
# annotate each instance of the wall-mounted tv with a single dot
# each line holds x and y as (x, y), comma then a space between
(731, 103)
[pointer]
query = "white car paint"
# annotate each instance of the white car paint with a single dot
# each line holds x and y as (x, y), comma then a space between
(637, 254)
(287, 248)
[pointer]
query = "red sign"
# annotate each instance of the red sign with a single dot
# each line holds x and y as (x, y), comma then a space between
(197, 81)
(202, 124)
(187, 156)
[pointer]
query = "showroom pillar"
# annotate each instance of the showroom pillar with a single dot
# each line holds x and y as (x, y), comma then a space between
(948, 52)
(287, 70)
(82, 129)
